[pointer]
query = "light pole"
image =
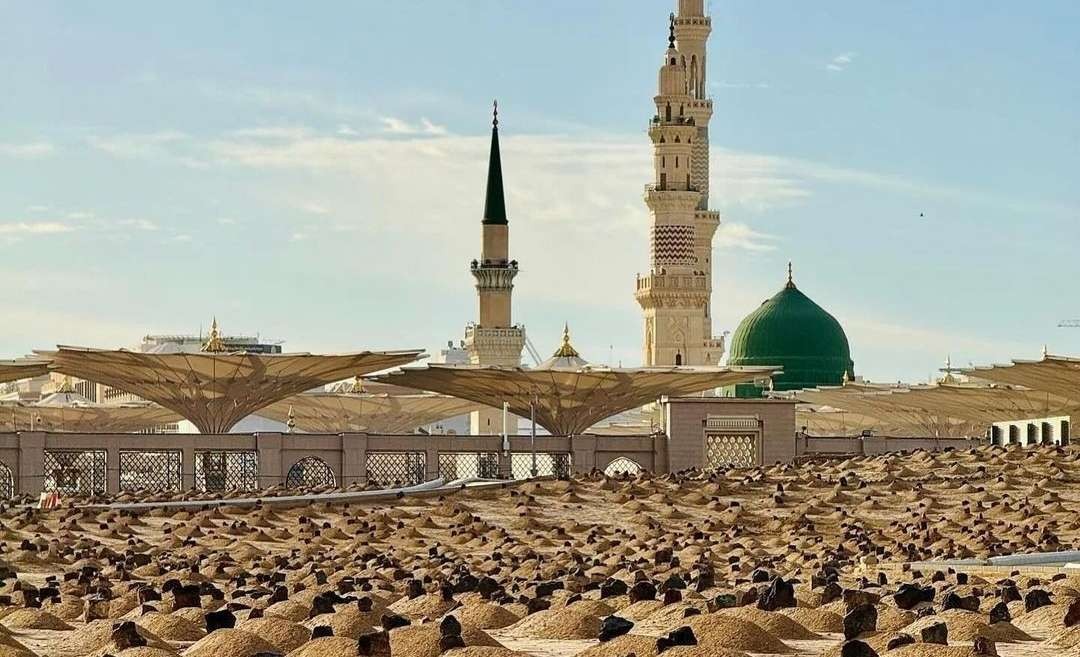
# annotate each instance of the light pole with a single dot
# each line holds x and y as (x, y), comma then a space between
(532, 433)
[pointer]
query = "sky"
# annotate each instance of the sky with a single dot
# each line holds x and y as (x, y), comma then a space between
(314, 172)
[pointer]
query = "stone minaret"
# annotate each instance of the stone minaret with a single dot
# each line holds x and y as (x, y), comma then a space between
(675, 294)
(494, 339)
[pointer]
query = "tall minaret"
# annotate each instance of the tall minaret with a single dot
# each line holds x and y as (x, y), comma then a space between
(675, 294)
(494, 340)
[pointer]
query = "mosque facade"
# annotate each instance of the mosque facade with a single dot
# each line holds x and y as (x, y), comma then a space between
(675, 295)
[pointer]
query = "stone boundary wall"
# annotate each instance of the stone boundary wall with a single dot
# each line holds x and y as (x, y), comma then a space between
(817, 447)
(346, 455)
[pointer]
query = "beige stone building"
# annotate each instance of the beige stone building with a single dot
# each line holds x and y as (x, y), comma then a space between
(494, 339)
(675, 295)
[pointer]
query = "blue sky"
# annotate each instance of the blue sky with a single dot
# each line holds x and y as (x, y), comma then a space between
(315, 171)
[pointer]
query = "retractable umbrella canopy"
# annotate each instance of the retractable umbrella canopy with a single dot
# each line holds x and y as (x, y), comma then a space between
(215, 389)
(568, 401)
(22, 368)
(335, 412)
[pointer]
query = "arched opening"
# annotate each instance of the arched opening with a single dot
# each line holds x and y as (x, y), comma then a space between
(310, 472)
(667, 112)
(678, 359)
(1032, 434)
(995, 435)
(1014, 434)
(1063, 437)
(622, 466)
(7, 482)
(1047, 431)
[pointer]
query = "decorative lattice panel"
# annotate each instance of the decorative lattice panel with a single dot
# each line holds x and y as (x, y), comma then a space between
(392, 469)
(310, 472)
(621, 466)
(730, 450)
(217, 470)
(7, 482)
(74, 471)
(150, 469)
(548, 464)
(673, 245)
(459, 465)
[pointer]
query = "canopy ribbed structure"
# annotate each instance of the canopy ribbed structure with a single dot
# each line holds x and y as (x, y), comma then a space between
(88, 418)
(22, 368)
(1058, 376)
(330, 412)
(569, 401)
(216, 390)
(942, 410)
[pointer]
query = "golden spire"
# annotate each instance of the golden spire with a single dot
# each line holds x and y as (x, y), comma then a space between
(790, 276)
(66, 386)
(214, 343)
(291, 421)
(566, 350)
(357, 387)
(846, 378)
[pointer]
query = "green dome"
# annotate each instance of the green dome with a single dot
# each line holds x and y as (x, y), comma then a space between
(791, 331)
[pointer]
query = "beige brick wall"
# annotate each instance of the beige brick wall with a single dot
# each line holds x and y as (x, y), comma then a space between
(684, 423)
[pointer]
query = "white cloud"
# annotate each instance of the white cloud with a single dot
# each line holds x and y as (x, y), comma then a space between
(34, 228)
(726, 84)
(137, 224)
(841, 61)
(732, 235)
(137, 145)
(396, 126)
(30, 150)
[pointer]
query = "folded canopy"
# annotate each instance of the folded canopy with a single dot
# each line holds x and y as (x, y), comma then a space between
(335, 412)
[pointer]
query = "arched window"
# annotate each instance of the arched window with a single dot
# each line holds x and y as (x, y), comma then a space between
(667, 112)
(678, 359)
(622, 466)
(310, 472)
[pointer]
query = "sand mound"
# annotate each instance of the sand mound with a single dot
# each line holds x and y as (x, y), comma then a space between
(930, 650)
(640, 610)
(966, 625)
(816, 620)
(144, 651)
(33, 619)
(171, 627)
(1066, 638)
(621, 646)
(775, 623)
(734, 633)
(327, 646)
(97, 635)
(1042, 622)
(423, 640)
(892, 619)
(484, 651)
(289, 610)
(284, 635)
(348, 622)
(667, 618)
(486, 616)
(430, 605)
(565, 623)
(231, 643)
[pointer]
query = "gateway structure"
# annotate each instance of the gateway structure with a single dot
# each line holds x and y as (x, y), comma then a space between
(675, 295)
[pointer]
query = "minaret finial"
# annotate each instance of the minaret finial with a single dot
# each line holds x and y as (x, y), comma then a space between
(495, 114)
(494, 202)
(790, 275)
(671, 31)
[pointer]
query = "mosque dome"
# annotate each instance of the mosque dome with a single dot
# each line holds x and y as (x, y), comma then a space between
(791, 331)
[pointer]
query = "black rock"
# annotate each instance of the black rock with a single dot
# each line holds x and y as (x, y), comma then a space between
(613, 587)
(936, 633)
(374, 644)
(910, 595)
(220, 620)
(614, 626)
(671, 596)
(449, 626)
(831, 591)
(1009, 593)
(394, 621)
(126, 635)
(186, 596)
(984, 647)
(779, 595)
(724, 601)
(641, 591)
(856, 648)
(1072, 615)
(899, 640)
(321, 630)
(1000, 613)
(859, 621)
(954, 601)
(684, 636)
(1036, 598)
(449, 642)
